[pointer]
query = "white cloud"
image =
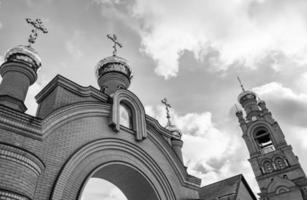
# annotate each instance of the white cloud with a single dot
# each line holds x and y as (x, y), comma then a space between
(97, 189)
(274, 91)
(243, 31)
(73, 45)
(209, 152)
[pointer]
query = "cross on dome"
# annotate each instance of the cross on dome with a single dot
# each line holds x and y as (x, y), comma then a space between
(38, 25)
(113, 38)
(167, 106)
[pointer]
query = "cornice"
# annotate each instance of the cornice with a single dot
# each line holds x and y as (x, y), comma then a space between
(157, 126)
(72, 87)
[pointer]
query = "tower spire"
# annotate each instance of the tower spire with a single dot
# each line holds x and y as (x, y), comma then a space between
(241, 85)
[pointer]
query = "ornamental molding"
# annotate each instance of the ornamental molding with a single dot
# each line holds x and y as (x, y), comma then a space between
(8, 195)
(138, 112)
(22, 157)
(60, 81)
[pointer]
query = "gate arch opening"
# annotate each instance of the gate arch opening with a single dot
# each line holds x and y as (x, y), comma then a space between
(133, 184)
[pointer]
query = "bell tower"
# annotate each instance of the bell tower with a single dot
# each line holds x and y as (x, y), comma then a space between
(276, 168)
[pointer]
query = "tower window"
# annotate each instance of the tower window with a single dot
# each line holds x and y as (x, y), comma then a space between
(268, 167)
(280, 163)
(125, 116)
(263, 139)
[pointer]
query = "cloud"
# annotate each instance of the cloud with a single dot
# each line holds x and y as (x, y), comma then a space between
(209, 152)
(239, 32)
(93, 190)
(73, 45)
(289, 106)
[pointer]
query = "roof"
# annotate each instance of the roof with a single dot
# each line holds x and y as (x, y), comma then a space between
(224, 187)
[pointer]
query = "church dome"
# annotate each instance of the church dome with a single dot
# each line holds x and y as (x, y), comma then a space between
(24, 54)
(245, 95)
(113, 64)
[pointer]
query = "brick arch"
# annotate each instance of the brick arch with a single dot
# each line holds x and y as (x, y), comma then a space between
(137, 108)
(96, 155)
(258, 125)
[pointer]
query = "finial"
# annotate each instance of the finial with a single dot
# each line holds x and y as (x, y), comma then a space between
(167, 106)
(38, 25)
(241, 83)
(116, 43)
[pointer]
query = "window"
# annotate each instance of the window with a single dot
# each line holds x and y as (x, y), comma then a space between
(125, 115)
(263, 139)
(268, 167)
(280, 163)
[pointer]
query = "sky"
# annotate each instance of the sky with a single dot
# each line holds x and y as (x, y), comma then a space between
(188, 51)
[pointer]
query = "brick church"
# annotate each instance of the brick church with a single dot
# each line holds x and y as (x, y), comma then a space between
(82, 132)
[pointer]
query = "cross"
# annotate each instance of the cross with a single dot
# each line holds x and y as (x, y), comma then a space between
(38, 25)
(241, 83)
(167, 106)
(116, 43)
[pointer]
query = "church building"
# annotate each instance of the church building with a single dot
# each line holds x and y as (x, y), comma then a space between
(82, 132)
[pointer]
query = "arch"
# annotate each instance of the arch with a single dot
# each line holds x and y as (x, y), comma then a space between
(127, 178)
(138, 112)
(282, 189)
(267, 166)
(105, 152)
(280, 162)
(279, 183)
(262, 137)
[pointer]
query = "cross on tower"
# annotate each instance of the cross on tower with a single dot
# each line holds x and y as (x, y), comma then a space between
(38, 25)
(167, 106)
(116, 43)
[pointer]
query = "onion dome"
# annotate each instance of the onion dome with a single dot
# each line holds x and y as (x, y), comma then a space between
(24, 54)
(113, 64)
(246, 95)
(113, 73)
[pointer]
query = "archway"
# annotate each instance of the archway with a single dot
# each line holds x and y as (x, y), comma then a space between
(128, 179)
(120, 162)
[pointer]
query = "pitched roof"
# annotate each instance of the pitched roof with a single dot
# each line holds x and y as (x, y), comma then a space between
(226, 187)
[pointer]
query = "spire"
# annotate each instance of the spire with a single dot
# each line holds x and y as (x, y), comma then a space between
(242, 87)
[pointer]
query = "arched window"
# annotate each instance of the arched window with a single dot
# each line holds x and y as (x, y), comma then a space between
(125, 116)
(263, 139)
(280, 163)
(268, 167)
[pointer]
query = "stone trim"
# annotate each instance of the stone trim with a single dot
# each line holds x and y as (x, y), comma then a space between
(107, 144)
(22, 157)
(138, 112)
(7, 195)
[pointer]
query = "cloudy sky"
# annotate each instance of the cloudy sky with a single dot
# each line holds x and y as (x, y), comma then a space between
(188, 51)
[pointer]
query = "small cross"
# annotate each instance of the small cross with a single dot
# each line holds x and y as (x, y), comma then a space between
(167, 106)
(241, 83)
(38, 25)
(116, 43)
